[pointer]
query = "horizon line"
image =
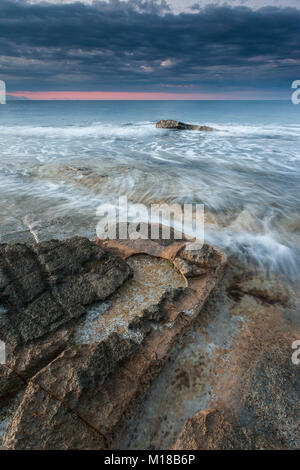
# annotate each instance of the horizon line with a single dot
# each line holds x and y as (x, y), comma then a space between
(136, 96)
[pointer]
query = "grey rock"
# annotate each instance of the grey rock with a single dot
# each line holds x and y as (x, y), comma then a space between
(177, 125)
(64, 394)
(44, 412)
(156, 313)
(83, 398)
(102, 361)
(45, 286)
(207, 258)
(43, 228)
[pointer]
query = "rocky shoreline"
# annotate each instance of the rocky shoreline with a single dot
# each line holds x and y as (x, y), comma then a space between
(217, 341)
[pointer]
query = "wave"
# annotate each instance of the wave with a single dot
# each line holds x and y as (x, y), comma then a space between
(238, 167)
(136, 129)
(96, 129)
(263, 250)
(268, 131)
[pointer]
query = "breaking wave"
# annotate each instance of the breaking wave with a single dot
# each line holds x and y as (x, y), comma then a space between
(93, 130)
(247, 176)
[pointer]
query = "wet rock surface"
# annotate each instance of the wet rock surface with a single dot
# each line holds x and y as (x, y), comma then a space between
(213, 366)
(44, 291)
(34, 228)
(268, 419)
(253, 399)
(86, 393)
(227, 373)
(66, 395)
(152, 278)
(47, 285)
(178, 125)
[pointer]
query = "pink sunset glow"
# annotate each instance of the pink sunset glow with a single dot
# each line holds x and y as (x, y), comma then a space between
(127, 95)
(109, 95)
(124, 95)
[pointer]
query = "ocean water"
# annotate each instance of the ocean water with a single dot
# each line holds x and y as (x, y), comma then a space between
(67, 158)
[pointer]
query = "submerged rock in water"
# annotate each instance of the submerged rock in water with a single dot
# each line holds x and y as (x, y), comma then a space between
(177, 125)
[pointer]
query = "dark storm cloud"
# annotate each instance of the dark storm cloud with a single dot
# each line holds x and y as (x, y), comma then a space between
(140, 45)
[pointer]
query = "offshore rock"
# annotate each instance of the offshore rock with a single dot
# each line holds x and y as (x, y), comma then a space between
(177, 125)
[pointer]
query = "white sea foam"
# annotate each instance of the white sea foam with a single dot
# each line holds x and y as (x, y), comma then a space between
(247, 176)
(264, 249)
(140, 129)
(96, 129)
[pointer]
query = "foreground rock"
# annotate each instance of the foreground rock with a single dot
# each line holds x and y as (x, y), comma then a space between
(236, 355)
(83, 395)
(44, 291)
(267, 419)
(251, 325)
(177, 125)
(234, 371)
(51, 284)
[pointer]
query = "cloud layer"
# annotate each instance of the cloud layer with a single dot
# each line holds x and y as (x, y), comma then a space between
(143, 46)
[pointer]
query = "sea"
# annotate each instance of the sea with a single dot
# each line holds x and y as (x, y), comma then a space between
(67, 158)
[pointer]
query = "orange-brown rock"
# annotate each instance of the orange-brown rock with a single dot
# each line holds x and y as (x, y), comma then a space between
(267, 419)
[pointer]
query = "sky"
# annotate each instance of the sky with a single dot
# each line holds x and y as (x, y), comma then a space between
(149, 49)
